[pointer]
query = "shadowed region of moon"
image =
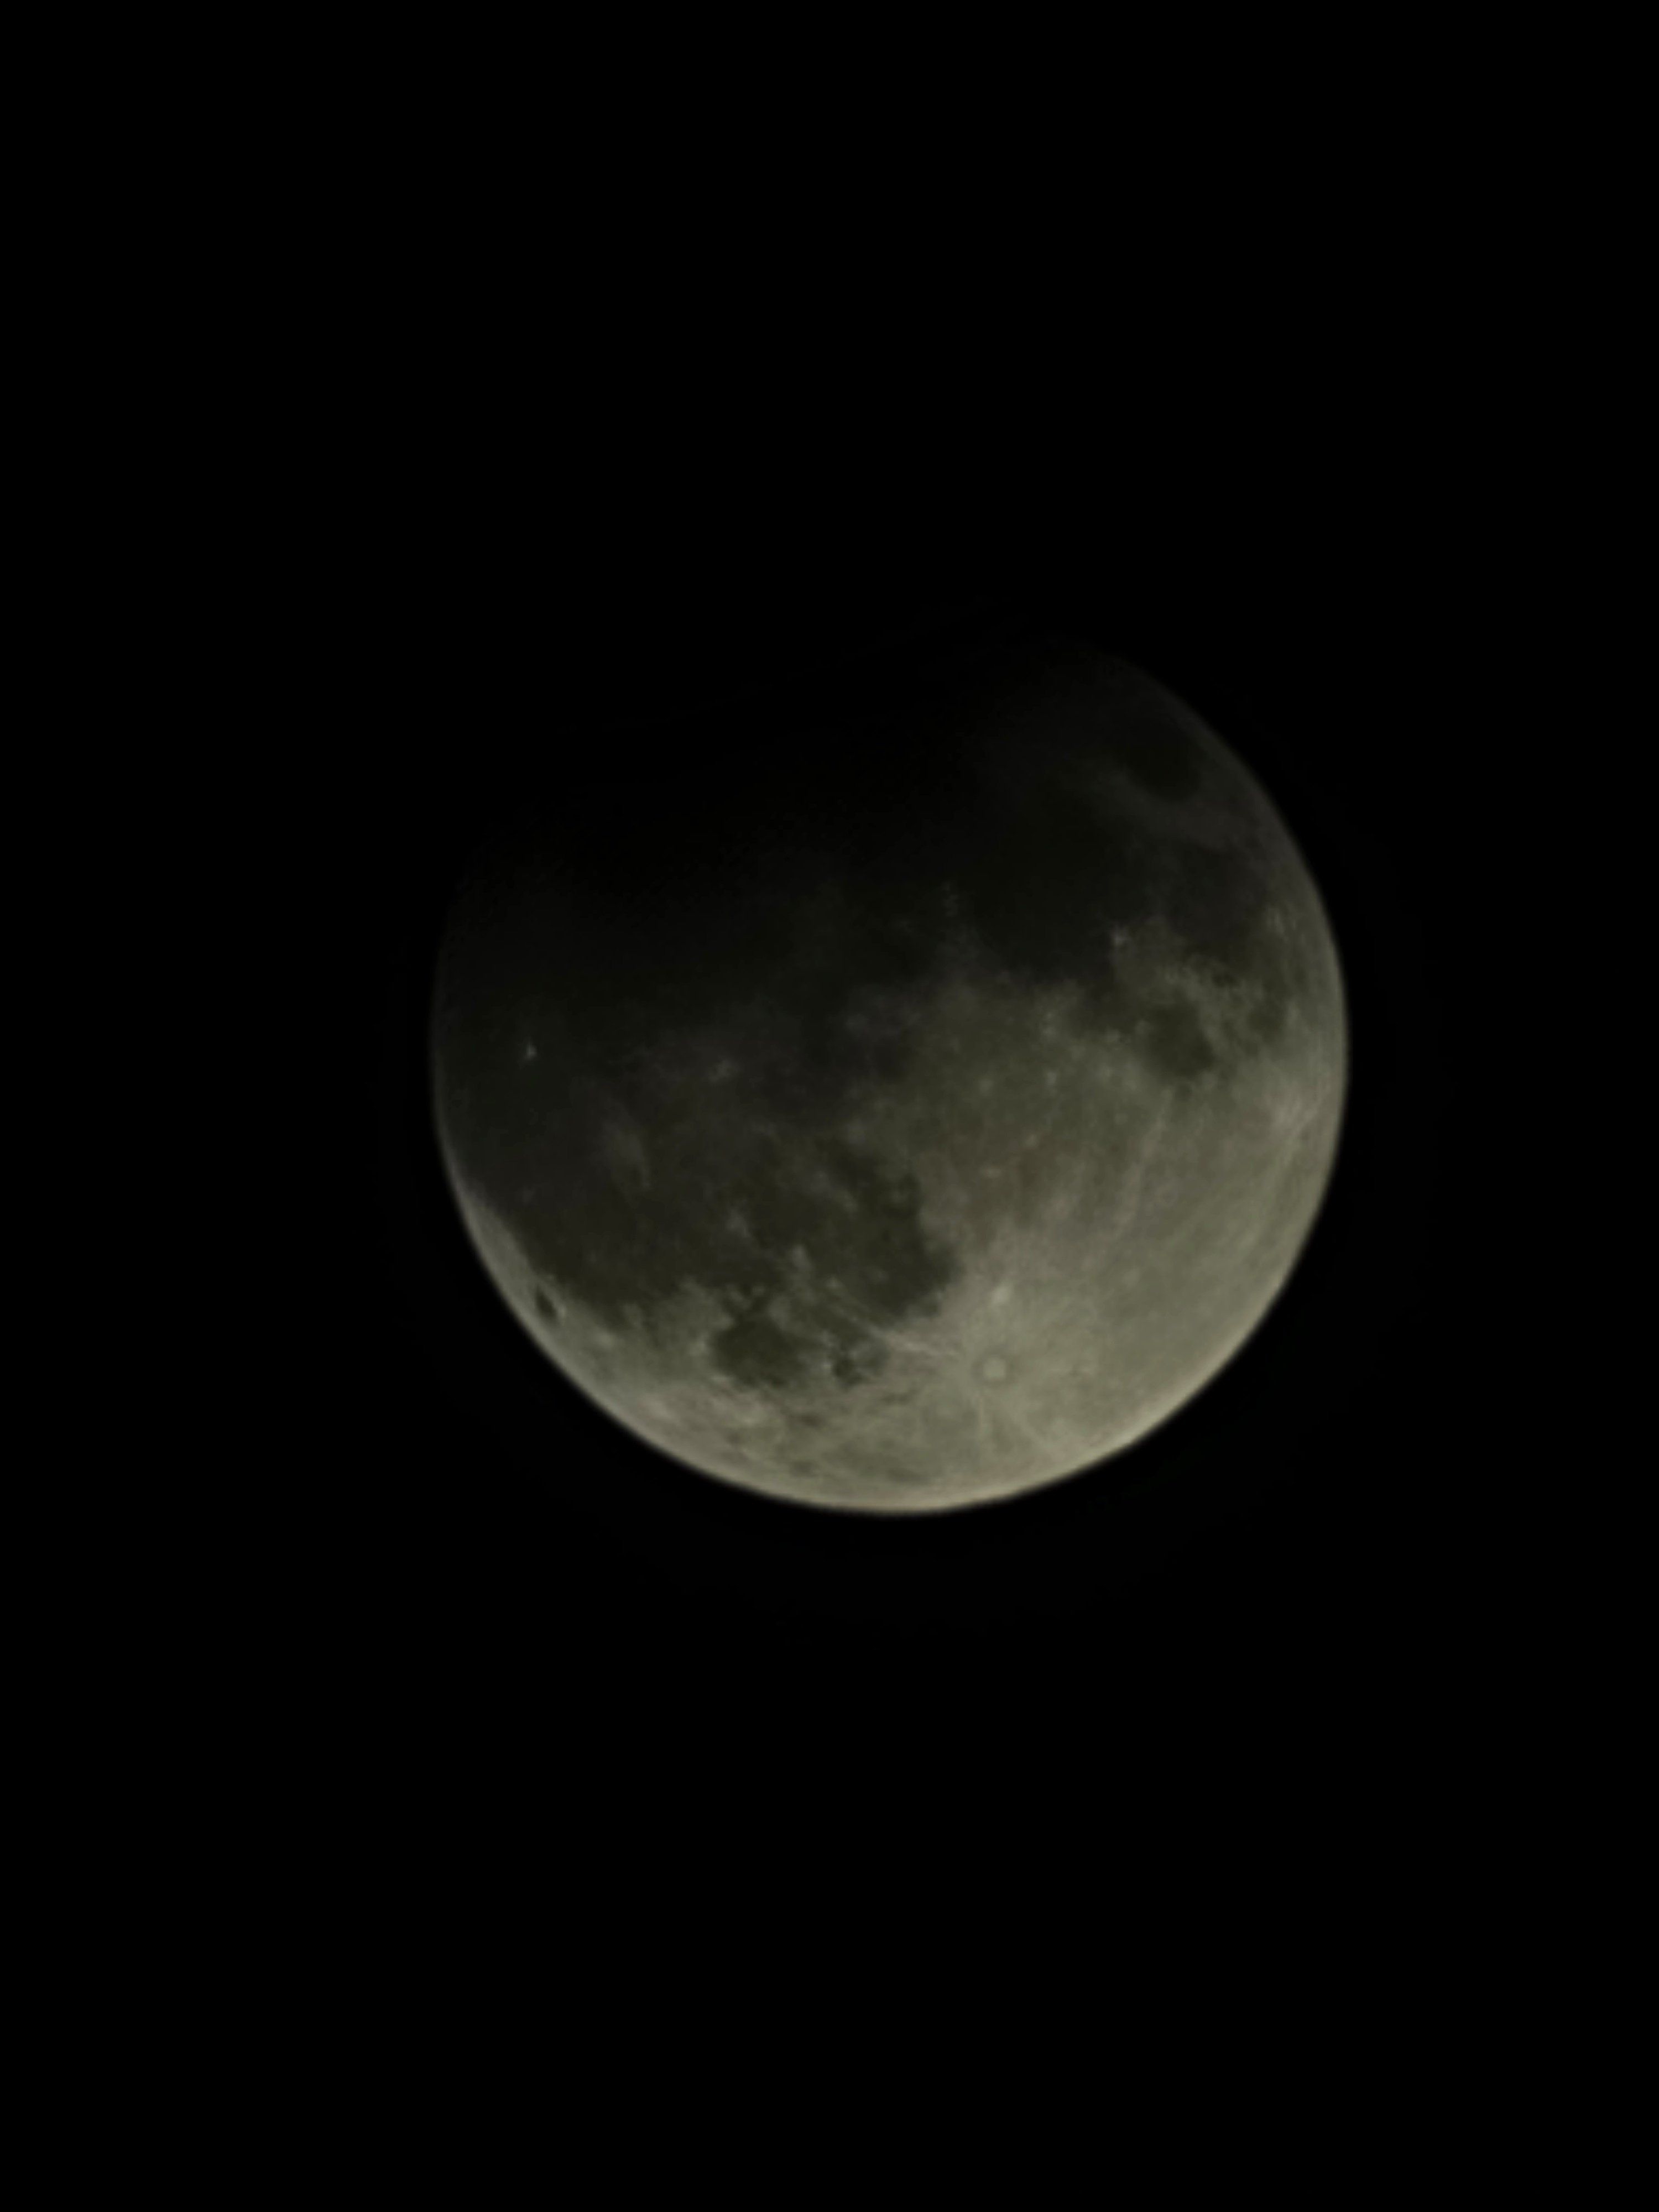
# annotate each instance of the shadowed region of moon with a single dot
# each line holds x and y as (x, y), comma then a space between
(909, 1107)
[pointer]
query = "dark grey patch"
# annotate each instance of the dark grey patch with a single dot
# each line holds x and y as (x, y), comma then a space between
(1043, 894)
(856, 1360)
(735, 1192)
(1142, 735)
(755, 1351)
(545, 1306)
(1172, 1042)
(1079, 703)
(1218, 903)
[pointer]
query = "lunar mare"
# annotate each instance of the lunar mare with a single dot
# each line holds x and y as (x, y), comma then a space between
(948, 1172)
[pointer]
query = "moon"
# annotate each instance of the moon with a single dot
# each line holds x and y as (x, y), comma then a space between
(910, 1113)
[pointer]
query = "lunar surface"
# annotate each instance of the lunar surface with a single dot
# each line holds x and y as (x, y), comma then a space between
(901, 1124)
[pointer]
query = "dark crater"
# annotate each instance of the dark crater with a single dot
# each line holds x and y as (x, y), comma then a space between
(1172, 1040)
(755, 1351)
(858, 1359)
(1142, 736)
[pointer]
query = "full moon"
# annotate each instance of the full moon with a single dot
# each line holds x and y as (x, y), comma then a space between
(903, 1112)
